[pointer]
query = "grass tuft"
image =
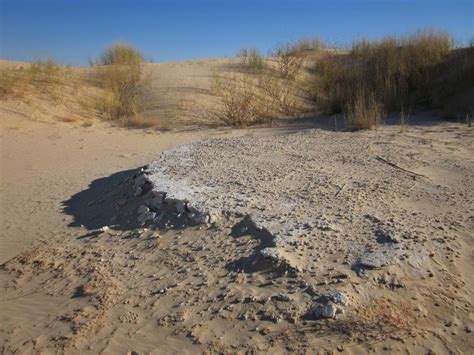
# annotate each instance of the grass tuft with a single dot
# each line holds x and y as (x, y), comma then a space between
(119, 69)
(252, 60)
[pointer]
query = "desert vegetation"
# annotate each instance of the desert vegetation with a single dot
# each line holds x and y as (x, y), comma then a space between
(252, 60)
(41, 75)
(394, 74)
(246, 99)
(363, 83)
(265, 88)
(118, 71)
(110, 89)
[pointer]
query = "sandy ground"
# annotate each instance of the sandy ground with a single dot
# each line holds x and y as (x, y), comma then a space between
(315, 241)
(42, 164)
(176, 287)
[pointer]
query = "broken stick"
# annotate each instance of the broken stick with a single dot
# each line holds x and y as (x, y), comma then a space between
(393, 165)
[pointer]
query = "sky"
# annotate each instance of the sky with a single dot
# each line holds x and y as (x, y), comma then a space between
(72, 31)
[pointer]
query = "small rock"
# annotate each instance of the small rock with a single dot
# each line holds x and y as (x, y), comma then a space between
(213, 218)
(281, 297)
(325, 311)
(250, 299)
(270, 253)
(157, 201)
(376, 260)
(243, 229)
(336, 296)
(339, 297)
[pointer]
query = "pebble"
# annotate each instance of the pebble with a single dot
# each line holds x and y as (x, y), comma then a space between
(325, 311)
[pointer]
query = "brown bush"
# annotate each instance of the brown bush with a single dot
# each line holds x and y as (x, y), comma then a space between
(237, 98)
(281, 94)
(247, 99)
(290, 59)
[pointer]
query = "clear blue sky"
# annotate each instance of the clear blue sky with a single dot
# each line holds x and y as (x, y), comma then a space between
(71, 31)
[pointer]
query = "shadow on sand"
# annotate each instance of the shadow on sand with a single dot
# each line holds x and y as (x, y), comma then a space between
(97, 206)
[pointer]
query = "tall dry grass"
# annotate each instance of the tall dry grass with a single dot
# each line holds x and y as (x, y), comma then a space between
(383, 74)
(363, 111)
(119, 72)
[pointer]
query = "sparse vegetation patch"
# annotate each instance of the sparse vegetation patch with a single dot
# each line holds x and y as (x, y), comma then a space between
(119, 69)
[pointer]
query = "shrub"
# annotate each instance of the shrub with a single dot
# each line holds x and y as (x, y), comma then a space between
(120, 74)
(247, 99)
(237, 98)
(290, 59)
(452, 90)
(9, 83)
(121, 53)
(280, 94)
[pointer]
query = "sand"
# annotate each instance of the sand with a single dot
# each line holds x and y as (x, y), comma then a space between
(83, 273)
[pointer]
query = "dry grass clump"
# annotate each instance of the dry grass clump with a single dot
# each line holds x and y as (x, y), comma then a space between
(392, 72)
(46, 90)
(265, 91)
(46, 71)
(454, 88)
(10, 84)
(121, 53)
(252, 60)
(111, 89)
(119, 73)
(364, 111)
(39, 76)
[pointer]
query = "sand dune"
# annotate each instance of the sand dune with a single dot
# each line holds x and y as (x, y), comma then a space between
(370, 243)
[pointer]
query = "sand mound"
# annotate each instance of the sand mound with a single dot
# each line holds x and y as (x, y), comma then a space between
(314, 188)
